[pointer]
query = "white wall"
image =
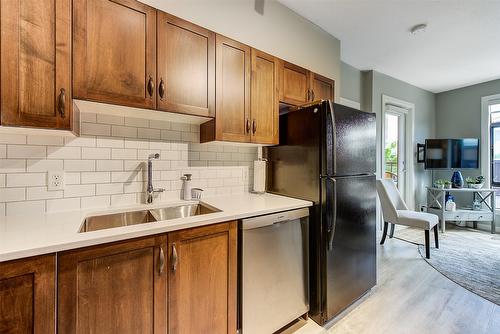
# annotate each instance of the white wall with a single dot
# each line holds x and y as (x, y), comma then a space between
(279, 31)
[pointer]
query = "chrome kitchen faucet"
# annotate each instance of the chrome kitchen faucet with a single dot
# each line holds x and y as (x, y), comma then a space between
(150, 190)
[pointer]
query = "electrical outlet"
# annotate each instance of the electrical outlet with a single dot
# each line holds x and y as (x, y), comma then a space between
(55, 180)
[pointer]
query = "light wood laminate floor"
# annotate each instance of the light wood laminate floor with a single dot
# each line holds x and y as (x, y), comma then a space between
(412, 297)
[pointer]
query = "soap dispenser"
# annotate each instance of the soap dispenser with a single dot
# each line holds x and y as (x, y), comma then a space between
(186, 193)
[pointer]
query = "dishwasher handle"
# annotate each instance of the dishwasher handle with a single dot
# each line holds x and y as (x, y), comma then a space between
(276, 218)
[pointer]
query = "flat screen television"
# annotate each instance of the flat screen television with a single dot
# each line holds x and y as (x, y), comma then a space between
(452, 153)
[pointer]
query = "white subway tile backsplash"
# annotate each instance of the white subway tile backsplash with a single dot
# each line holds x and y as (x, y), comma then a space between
(25, 208)
(65, 204)
(6, 138)
(95, 202)
(95, 177)
(96, 153)
(64, 152)
(79, 165)
(106, 166)
(26, 151)
(12, 194)
(123, 154)
(95, 129)
(37, 193)
(12, 165)
(124, 131)
(45, 140)
(26, 179)
(79, 190)
(44, 165)
(3, 151)
(109, 188)
(109, 165)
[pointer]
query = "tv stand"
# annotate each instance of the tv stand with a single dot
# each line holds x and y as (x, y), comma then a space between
(436, 205)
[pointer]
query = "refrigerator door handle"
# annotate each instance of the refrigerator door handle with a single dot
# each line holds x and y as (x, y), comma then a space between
(332, 226)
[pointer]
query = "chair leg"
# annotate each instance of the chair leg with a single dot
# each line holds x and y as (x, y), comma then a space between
(384, 233)
(392, 230)
(436, 238)
(427, 246)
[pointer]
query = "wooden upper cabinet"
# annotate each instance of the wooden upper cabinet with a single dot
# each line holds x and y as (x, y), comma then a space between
(114, 52)
(203, 279)
(114, 288)
(35, 57)
(322, 88)
(294, 84)
(27, 295)
(264, 98)
(232, 91)
(186, 67)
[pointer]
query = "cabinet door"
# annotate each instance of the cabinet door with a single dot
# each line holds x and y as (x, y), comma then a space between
(115, 288)
(27, 295)
(264, 101)
(35, 52)
(322, 88)
(232, 90)
(202, 279)
(294, 84)
(186, 67)
(114, 52)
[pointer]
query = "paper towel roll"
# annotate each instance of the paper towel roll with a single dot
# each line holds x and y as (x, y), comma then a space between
(259, 176)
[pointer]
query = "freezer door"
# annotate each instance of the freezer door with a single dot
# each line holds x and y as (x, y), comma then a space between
(351, 141)
(351, 251)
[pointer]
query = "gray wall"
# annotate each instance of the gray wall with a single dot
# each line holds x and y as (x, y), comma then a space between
(279, 31)
(425, 114)
(351, 82)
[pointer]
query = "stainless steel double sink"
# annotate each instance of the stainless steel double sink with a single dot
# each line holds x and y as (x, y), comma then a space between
(101, 222)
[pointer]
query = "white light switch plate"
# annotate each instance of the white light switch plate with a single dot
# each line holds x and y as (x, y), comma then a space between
(55, 180)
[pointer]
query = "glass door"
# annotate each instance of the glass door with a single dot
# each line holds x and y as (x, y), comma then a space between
(395, 148)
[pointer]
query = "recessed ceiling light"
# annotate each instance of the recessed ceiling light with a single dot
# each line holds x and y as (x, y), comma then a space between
(419, 28)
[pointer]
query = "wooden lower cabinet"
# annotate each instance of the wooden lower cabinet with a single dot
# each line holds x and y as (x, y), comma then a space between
(203, 279)
(114, 288)
(27, 295)
(122, 287)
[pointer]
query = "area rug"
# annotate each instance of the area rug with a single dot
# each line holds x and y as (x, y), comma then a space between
(468, 257)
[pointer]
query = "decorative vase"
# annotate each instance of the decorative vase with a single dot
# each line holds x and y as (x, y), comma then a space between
(457, 180)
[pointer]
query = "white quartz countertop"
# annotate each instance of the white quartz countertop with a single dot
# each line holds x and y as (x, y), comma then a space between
(25, 235)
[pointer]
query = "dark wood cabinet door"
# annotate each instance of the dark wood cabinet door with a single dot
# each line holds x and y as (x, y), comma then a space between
(114, 52)
(202, 279)
(264, 98)
(232, 90)
(322, 88)
(35, 53)
(27, 295)
(186, 67)
(294, 84)
(114, 288)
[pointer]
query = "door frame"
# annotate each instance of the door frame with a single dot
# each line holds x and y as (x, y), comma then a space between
(484, 146)
(409, 145)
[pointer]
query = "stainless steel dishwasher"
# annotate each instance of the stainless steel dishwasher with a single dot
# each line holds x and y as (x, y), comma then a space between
(274, 271)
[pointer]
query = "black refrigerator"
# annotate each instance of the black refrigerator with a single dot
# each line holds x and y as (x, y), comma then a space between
(327, 154)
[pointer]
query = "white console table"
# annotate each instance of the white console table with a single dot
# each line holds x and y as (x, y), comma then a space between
(436, 205)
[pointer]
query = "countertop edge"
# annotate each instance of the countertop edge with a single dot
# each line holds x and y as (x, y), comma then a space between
(126, 235)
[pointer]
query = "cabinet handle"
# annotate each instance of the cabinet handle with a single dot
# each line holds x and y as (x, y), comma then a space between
(61, 105)
(308, 95)
(162, 260)
(312, 95)
(161, 89)
(254, 126)
(151, 86)
(248, 126)
(174, 258)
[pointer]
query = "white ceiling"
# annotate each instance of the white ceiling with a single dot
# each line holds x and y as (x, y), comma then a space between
(460, 47)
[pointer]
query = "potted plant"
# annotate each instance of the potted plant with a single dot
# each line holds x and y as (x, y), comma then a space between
(447, 184)
(439, 183)
(475, 182)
